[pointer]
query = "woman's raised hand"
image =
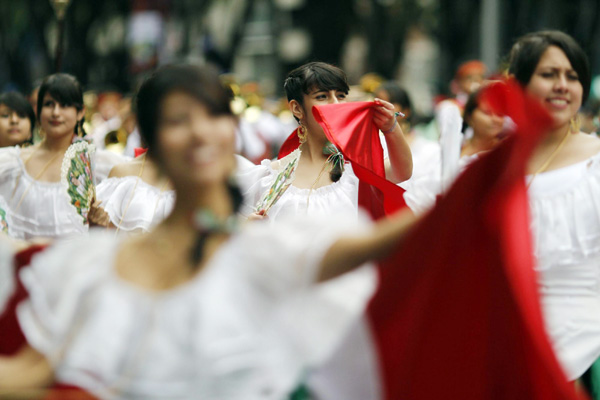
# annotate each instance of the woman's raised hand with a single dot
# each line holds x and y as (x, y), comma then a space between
(384, 115)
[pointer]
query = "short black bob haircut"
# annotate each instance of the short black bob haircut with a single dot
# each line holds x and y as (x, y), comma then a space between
(201, 82)
(19, 104)
(528, 50)
(66, 90)
(314, 75)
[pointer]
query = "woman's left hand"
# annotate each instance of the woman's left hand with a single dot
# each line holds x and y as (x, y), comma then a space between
(384, 115)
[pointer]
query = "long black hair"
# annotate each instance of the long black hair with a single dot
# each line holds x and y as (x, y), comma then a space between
(67, 91)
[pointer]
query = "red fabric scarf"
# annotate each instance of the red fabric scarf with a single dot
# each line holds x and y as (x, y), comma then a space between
(350, 127)
(11, 336)
(458, 316)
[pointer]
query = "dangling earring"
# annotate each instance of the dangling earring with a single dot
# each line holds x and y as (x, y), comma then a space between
(302, 133)
(575, 124)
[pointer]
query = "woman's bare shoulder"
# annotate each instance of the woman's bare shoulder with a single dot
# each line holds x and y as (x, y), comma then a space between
(588, 144)
(125, 169)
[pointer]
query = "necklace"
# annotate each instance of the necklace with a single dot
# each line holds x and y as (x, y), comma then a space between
(35, 178)
(334, 158)
(551, 157)
(316, 181)
(206, 222)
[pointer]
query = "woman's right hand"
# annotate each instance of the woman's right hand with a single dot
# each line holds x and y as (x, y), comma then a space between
(97, 216)
(258, 216)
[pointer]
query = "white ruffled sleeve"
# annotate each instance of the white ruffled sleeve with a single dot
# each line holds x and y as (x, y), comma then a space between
(285, 263)
(254, 181)
(57, 280)
(9, 170)
(132, 204)
(285, 257)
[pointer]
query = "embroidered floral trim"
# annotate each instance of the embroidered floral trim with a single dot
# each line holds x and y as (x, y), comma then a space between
(282, 182)
(77, 177)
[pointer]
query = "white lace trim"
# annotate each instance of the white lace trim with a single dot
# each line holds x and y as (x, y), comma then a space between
(340, 197)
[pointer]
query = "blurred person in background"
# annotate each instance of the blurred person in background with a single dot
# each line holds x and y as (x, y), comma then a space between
(425, 153)
(17, 120)
(483, 129)
(107, 118)
(468, 78)
(590, 117)
(107, 132)
(261, 132)
(448, 117)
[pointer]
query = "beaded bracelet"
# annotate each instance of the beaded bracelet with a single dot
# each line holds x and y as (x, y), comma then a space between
(396, 115)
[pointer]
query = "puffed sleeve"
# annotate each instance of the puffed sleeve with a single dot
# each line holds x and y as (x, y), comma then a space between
(115, 193)
(285, 257)
(9, 169)
(57, 280)
(285, 260)
(254, 181)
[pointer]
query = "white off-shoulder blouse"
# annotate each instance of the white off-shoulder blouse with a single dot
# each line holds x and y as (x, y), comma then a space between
(345, 297)
(565, 211)
(243, 328)
(37, 209)
(340, 197)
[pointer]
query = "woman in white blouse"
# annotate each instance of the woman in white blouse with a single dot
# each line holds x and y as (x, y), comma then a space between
(30, 178)
(195, 308)
(564, 188)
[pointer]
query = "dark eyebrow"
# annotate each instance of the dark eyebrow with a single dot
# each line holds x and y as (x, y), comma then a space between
(556, 68)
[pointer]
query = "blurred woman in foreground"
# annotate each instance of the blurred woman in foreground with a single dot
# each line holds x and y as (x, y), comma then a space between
(196, 308)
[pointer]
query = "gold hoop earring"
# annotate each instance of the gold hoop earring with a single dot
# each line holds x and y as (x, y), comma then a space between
(575, 124)
(302, 133)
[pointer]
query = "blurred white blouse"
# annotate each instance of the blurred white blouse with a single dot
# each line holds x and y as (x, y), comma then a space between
(242, 328)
